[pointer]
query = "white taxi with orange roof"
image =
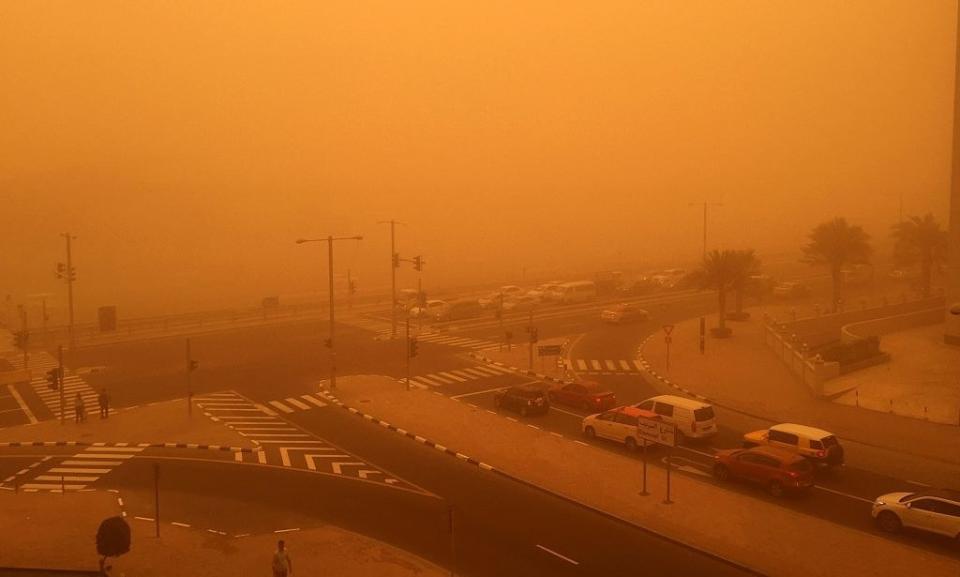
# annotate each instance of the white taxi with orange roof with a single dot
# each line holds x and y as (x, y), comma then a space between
(618, 425)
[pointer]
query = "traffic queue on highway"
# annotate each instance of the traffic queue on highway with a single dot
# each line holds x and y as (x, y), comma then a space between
(782, 459)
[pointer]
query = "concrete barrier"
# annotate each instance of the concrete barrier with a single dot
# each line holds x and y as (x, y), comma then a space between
(878, 327)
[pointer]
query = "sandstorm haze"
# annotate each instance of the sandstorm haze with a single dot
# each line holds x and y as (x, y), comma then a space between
(188, 144)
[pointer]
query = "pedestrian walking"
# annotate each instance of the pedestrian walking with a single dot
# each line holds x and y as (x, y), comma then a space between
(79, 410)
(282, 565)
(104, 400)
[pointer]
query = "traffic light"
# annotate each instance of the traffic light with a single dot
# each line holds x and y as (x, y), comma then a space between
(54, 376)
(533, 334)
(328, 343)
(193, 365)
(418, 263)
(20, 338)
(422, 298)
(396, 260)
(413, 347)
(61, 269)
(352, 287)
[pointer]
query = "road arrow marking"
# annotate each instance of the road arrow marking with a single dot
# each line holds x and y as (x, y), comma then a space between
(366, 472)
(337, 466)
(312, 464)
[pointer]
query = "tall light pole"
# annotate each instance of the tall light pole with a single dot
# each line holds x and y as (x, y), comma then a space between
(394, 265)
(330, 342)
(705, 205)
(66, 271)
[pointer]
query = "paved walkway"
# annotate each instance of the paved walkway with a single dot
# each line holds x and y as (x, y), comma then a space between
(921, 381)
(742, 374)
(57, 532)
(746, 530)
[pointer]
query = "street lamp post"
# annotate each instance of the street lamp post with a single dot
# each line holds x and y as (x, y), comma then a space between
(330, 341)
(394, 264)
(705, 205)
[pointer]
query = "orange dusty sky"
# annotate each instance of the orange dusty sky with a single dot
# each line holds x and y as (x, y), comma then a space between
(187, 144)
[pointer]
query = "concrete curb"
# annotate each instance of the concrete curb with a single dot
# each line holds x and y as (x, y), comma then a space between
(200, 446)
(486, 467)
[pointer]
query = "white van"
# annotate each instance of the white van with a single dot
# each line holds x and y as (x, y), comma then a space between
(693, 419)
(575, 292)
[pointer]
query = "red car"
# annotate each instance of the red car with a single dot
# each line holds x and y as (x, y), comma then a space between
(779, 470)
(586, 395)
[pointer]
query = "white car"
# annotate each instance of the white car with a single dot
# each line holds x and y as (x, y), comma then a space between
(693, 419)
(433, 308)
(936, 511)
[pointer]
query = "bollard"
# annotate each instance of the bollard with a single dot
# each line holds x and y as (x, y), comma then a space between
(891, 406)
(925, 418)
(857, 391)
(63, 487)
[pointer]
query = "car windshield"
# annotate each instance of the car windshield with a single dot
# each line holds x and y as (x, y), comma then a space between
(830, 441)
(703, 413)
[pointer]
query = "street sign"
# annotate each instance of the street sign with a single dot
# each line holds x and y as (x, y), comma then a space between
(667, 329)
(656, 431)
(547, 350)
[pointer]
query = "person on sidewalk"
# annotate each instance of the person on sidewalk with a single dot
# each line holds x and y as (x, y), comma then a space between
(104, 401)
(282, 565)
(79, 410)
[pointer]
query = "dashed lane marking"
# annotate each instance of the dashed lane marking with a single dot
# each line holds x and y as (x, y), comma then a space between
(558, 555)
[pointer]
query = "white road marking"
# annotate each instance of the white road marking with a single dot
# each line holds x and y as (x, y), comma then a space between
(78, 470)
(596, 365)
(452, 376)
(298, 403)
(639, 365)
(611, 365)
(337, 466)
(23, 406)
(625, 365)
(558, 555)
(95, 463)
(581, 364)
(66, 478)
(281, 406)
(313, 400)
(835, 492)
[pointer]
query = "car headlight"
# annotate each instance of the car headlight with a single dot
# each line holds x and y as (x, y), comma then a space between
(878, 503)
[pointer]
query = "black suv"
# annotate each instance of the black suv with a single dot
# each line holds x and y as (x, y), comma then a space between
(525, 399)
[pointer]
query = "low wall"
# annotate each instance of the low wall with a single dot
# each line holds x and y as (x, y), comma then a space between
(811, 373)
(820, 330)
(878, 327)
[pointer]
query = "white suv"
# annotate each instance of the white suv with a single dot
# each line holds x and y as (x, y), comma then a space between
(936, 511)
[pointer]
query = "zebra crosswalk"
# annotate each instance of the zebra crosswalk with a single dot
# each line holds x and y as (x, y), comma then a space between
(283, 444)
(607, 366)
(76, 472)
(455, 341)
(40, 363)
(454, 376)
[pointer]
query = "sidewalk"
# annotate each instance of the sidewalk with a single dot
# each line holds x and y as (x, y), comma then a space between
(163, 422)
(740, 373)
(745, 530)
(57, 532)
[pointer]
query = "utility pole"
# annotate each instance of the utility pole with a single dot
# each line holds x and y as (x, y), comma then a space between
(705, 205)
(60, 380)
(26, 334)
(408, 347)
(330, 341)
(70, 275)
(349, 291)
(394, 265)
(533, 338)
(191, 366)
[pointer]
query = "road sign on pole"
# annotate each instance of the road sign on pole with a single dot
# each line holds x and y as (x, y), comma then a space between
(653, 430)
(549, 350)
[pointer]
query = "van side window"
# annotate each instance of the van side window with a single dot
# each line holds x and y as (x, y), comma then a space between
(664, 409)
(647, 405)
(781, 437)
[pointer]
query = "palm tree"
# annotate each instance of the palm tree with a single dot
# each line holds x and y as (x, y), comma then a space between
(745, 264)
(836, 244)
(920, 240)
(718, 272)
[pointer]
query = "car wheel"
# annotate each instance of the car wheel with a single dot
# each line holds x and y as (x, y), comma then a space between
(631, 444)
(590, 433)
(776, 488)
(523, 411)
(889, 522)
(721, 472)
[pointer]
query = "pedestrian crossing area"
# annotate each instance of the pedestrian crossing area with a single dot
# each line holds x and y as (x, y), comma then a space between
(40, 363)
(606, 366)
(281, 443)
(455, 341)
(453, 376)
(76, 472)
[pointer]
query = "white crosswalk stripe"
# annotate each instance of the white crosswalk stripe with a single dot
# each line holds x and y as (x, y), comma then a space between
(75, 472)
(454, 376)
(41, 362)
(608, 365)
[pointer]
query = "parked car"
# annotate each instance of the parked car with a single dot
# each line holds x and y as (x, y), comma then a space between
(520, 303)
(575, 292)
(618, 425)
(433, 309)
(547, 292)
(639, 287)
(462, 309)
(817, 445)
(789, 290)
(586, 395)
(524, 399)
(624, 313)
(693, 419)
(934, 511)
(779, 470)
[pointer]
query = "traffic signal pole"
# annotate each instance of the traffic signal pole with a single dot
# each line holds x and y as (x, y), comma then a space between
(189, 380)
(60, 380)
(70, 276)
(407, 352)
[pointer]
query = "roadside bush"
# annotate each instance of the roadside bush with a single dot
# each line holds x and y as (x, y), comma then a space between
(853, 352)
